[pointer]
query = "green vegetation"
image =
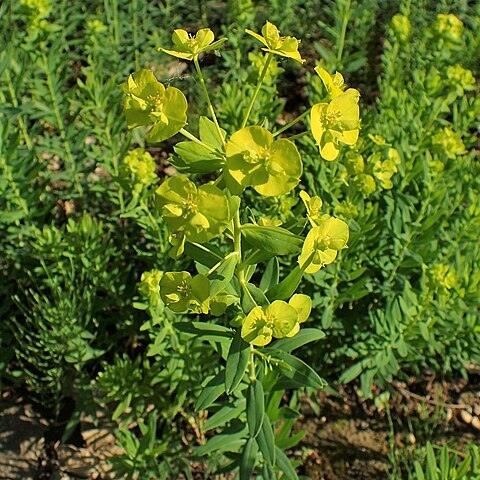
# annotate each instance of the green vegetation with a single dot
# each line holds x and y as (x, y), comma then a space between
(160, 254)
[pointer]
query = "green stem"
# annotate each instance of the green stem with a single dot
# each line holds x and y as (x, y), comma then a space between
(21, 123)
(257, 89)
(207, 97)
(251, 364)
(60, 127)
(135, 33)
(345, 19)
(298, 135)
(193, 138)
(292, 123)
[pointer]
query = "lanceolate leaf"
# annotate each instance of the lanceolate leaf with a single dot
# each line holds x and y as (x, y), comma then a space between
(266, 441)
(212, 390)
(222, 275)
(286, 288)
(247, 463)
(272, 239)
(255, 407)
(237, 362)
(224, 415)
(284, 465)
(297, 370)
(304, 336)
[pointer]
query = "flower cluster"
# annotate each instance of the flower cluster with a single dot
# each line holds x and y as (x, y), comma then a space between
(335, 120)
(193, 214)
(255, 160)
(276, 44)
(448, 143)
(139, 166)
(327, 237)
(279, 319)
(449, 27)
(188, 47)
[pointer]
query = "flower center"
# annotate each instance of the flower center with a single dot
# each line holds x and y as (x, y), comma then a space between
(184, 289)
(189, 205)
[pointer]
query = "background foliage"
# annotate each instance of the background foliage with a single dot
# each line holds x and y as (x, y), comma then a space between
(404, 298)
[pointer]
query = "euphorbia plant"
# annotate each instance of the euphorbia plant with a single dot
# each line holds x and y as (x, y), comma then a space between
(258, 316)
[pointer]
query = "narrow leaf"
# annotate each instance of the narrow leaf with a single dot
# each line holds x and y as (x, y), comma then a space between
(237, 362)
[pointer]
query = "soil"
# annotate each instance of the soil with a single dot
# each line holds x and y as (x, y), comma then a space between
(347, 437)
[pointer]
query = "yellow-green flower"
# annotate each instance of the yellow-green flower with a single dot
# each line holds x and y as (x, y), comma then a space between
(449, 27)
(140, 166)
(193, 214)
(262, 323)
(334, 84)
(354, 163)
(149, 285)
(364, 183)
(182, 293)
(322, 243)
(346, 210)
(384, 171)
(336, 122)
(189, 46)
(313, 206)
(255, 159)
(274, 43)
(148, 102)
(442, 276)
(462, 79)
(402, 27)
(303, 305)
(449, 143)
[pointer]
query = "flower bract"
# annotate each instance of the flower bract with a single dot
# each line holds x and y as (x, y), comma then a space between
(188, 46)
(255, 159)
(194, 214)
(322, 243)
(148, 102)
(262, 323)
(140, 166)
(182, 293)
(274, 43)
(336, 122)
(303, 305)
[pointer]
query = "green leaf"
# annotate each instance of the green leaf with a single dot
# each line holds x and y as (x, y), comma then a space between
(431, 462)
(272, 239)
(224, 415)
(229, 441)
(270, 276)
(266, 441)
(207, 256)
(353, 372)
(195, 158)
(223, 274)
(212, 390)
(122, 406)
(286, 288)
(205, 331)
(284, 465)
(297, 370)
(247, 463)
(209, 134)
(255, 407)
(237, 362)
(304, 336)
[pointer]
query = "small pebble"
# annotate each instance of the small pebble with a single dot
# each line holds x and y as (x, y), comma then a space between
(476, 423)
(466, 417)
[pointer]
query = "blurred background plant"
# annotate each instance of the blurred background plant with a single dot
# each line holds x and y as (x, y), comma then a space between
(76, 234)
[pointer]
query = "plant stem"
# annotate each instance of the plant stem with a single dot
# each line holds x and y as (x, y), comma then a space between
(257, 89)
(193, 138)
(292, 123)
(345, 19)
(207, 97)
(251, 364)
